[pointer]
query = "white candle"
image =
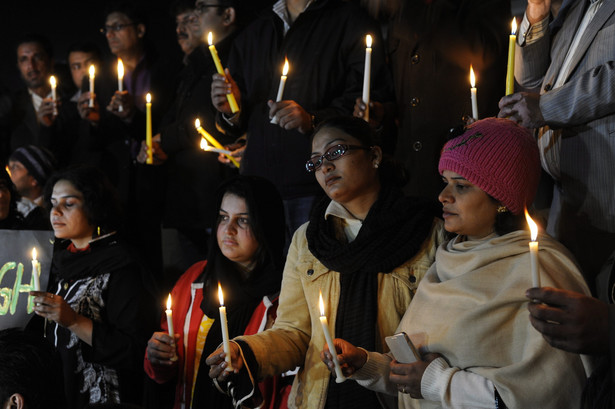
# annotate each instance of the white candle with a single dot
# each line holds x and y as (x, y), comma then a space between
(339, 376)
(225, 341)
(473, 94)
(92, 75)
(367, 74)
(213, 141)
(205, 146)
(148, 129)
(278, 98)
(169, 313)
(534, 266)
(120, 79)
(53, 83)
(36, 272)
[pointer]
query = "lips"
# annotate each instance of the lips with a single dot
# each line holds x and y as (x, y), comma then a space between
(330, 179)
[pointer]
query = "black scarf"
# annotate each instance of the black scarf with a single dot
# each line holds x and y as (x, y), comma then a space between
(392, 233)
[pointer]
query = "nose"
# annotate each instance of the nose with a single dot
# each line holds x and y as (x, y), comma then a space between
(55, 211)
(445, 196)
(230, 227)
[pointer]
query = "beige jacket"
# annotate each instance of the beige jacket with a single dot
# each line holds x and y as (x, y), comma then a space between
(297, 338)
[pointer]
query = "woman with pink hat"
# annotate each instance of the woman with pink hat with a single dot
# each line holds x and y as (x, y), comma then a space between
(469, 321)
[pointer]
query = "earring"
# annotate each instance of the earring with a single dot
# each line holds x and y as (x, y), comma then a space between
(98, 231)
(502, 209)
(376, 165)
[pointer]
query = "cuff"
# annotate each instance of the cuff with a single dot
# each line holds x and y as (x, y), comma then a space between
(529, 34)
(436, 380)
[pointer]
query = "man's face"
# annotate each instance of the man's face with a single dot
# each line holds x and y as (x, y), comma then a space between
(122, 34)
(210, 19)
(34, 64)
(189, 33)
(20, 177)
(79, 63)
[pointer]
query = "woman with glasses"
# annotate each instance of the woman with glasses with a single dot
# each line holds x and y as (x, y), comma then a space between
(365, 248)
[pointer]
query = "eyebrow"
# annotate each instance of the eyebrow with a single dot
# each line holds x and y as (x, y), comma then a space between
(333, 142)
(246, 213)
(67, 197)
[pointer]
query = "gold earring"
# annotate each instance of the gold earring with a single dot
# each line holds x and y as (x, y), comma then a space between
(502, 209)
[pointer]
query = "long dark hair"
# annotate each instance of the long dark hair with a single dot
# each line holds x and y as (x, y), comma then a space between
(14, 218)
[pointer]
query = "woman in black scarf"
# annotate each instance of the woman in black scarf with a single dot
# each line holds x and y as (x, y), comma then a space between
(10, 218)
(365, 248)
(97, 310)
(246, 259)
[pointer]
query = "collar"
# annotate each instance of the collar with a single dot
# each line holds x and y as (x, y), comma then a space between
(352, 224)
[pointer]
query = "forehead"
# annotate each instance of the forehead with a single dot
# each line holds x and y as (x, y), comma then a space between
(16, 164)
(332, 136)
(184, 14)
(79, 57)
(232, 203)
(65, 188)
(117, 17)
(30, 48)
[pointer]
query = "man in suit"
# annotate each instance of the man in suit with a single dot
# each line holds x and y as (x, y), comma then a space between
(570, 66)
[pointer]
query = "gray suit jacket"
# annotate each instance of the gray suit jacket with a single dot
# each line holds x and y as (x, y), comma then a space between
(583, 209)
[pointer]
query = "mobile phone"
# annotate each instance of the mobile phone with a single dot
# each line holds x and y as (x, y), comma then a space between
(402, 348)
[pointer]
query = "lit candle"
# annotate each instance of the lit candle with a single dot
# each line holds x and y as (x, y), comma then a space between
(213, 141)
(36, 271)
(214, 54)
(367, 74)
(148, 128)
(92, 75)
(510, 71)
(169, 313)
(205, 146)
(225, 341)
(473, 93)
(533, 250)
(339, 376)
(278, 98)
(53, 83)
(120, 79)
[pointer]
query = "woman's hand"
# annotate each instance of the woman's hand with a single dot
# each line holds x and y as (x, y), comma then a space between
(408, 376)
(221, 86)
(54, 308)
(218, 367)
(161, 349)
(351, 358)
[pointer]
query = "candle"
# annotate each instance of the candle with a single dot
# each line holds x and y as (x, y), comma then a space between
(534, 266)
(225, 341)
(169, 313)
(213, 141)
(278, 98)
(473, 93)
(120, 79)
(367, 74)
(53, 83)
(214, 54)
(510, 71)
(148, 128)
(339, 376)
(92, 75)
(205, 146)
(36, 271)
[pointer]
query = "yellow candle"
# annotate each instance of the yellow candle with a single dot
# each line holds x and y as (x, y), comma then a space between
(148, 128)
(205, 146)
(534, 266)
(213, 141)
(214, 54)
(120, 79)
(225, 340)
(473, 94)
(510, 71)
(339, 376)
(53, 83)
(36, 271)
(92, 75)
(367, 74)
(283, 78)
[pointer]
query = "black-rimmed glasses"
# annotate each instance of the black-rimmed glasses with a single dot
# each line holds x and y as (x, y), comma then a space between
(200, 8)
(115, 27)
(333, 153)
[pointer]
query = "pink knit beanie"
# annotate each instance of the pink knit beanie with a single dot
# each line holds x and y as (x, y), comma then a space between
(498, 156)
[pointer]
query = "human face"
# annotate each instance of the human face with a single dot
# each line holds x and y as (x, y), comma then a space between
(5, 200)
(34, 64)
(467, 209)
(125, 41)
(189, 33)
(210, 19)
(235, 237)
(79, 63)
(353, 176)
(20, 177)
(68, 217)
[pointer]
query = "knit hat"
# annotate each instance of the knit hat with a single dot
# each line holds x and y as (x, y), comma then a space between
(39, 162)
(498, 156)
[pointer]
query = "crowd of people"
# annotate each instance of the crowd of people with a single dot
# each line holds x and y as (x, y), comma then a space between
(403, 214)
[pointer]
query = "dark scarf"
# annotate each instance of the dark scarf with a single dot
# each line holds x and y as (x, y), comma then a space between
(392, 233)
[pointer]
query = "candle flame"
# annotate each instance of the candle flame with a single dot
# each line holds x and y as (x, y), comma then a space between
(120, 68)
(7, 170)
(285, 69)
(321, 304)
(533, 226)
(148, 98)
(220, 295)
(368, 41)
(472, 77)
(92, 71)
(204, 145)
(52, 81)
(210, 38)
(197, 123)
(34, 253)
(169, 303)
(514, 26)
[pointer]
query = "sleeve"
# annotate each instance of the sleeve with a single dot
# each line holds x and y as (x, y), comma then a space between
(375, 374)
(532, 60)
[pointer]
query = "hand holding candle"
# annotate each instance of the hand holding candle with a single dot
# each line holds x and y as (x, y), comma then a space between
(214, 142)
(214, 54)
(367, 75)
(473, 93)
(169, 313)
(225, 340)
(92, 76)
(36, 271)
(53, 83)
(120, 79)
(205, 146)
(278, 98)
(510, 71)
(534, 265)
(339, 376)
(148, 129)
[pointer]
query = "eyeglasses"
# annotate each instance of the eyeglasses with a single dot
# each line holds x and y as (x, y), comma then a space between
(115, 27)
(200, 8)
(333, 153)
(192, 20)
